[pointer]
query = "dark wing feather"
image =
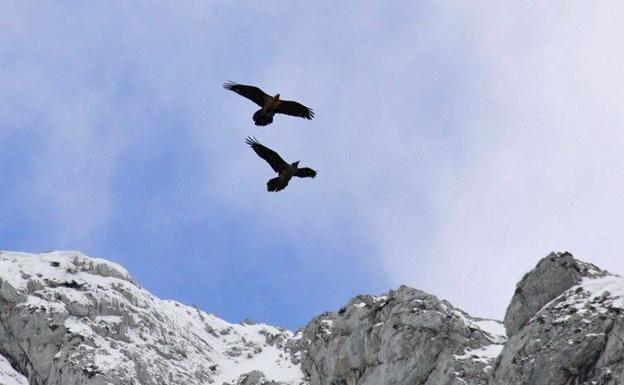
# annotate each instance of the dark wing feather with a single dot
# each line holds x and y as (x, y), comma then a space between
(305, 172)
(273, 159)
(294, 109)
(252, 93)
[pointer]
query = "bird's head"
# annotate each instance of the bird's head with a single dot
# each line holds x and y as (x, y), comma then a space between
(296, 164)
(276, 97)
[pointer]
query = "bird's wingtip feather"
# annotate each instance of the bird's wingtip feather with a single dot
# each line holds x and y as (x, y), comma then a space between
(229, 85)
(251, 141)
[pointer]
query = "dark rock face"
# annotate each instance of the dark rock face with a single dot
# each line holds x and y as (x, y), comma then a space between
(553, 275)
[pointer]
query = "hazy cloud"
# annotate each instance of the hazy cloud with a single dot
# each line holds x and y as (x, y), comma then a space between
(455, 144)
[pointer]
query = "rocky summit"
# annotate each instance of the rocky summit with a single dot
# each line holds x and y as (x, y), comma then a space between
(67, 319)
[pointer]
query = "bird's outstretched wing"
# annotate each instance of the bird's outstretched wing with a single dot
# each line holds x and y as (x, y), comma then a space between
(252, 93)
(272, 158)
(305, 172)
(291, 108)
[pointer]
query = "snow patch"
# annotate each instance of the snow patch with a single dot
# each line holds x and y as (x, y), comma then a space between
(484, 354)
(8, 375)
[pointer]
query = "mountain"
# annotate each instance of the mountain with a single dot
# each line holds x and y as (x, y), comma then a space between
(69, 319)
(66, 319)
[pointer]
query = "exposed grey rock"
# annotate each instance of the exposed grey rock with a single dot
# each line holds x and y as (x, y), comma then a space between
(405, 336)
(570, 330)
(577, 338)
(255, 377)
(553, 275)
(69, 319)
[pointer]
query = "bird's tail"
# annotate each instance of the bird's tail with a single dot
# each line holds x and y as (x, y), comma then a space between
(262, 119)
(274, 185)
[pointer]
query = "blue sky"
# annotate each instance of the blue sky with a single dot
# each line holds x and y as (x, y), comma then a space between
(456, 144)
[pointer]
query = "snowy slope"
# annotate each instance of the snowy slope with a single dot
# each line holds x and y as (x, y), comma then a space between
(75, 319)
(594, 295)
(8, 375)
(495, 332)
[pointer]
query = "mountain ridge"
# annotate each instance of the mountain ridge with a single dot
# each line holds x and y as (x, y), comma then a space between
(66, 318)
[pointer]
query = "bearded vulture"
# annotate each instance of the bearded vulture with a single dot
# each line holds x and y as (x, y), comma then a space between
(270, 105)
(284, 170)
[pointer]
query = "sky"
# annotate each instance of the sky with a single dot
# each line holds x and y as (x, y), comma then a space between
(456, 144)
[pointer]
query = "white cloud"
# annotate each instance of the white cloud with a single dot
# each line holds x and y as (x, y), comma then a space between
(461, 144)
(545, 143)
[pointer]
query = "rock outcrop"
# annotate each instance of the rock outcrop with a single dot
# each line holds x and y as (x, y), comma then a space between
(553, 275)
(577, 337)
(69, 319)
(254, 377)
(405, 336)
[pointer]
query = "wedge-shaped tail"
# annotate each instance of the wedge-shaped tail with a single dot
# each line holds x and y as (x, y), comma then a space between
(275, 185)
(260, 118)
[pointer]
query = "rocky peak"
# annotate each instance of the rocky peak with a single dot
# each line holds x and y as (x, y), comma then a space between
(66, 318)
(404, 336)
(575, 337)
(554, 274)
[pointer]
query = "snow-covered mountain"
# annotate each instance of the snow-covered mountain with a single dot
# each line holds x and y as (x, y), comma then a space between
(69, 319)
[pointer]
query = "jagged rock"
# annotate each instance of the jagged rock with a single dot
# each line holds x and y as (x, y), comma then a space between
(69, 319)
(255, 377)
(576, 338)
(405, 336)
(553, 275)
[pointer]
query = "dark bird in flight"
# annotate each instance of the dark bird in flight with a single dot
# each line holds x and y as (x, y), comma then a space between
(270, 105)
(284, 170)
